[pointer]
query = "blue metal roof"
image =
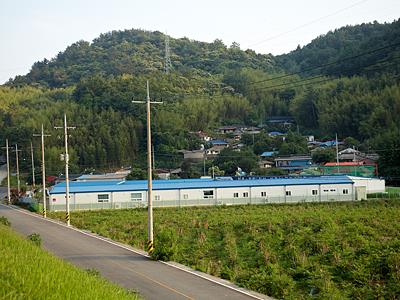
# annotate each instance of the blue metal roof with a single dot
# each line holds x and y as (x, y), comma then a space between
(141, 185)
(268, 153)
(275, 133)
(218, 142)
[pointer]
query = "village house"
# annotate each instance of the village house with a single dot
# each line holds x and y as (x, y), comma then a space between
(293, 164)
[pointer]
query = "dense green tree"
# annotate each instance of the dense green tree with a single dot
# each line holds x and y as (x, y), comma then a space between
(137, 174)
(230, 160)
(388, 145)
(321, 156)
(210, 85)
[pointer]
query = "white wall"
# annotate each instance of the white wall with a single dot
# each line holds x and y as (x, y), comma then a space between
(195, 197)
(373, 185)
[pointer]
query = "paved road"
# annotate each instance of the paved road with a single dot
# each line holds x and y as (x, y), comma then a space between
(3, 175)
(3, 172)
(153, 280)
(3, 193)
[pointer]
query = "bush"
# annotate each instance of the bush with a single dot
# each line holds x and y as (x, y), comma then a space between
(35, 238)
(93, 272)
(165, 246)
(4, 221)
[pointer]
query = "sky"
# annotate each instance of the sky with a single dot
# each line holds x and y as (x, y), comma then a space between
(31, 30)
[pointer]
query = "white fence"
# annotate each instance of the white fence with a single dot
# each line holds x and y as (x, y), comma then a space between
(201, 202)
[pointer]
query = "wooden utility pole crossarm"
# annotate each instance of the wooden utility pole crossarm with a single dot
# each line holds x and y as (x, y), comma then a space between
(150, 242)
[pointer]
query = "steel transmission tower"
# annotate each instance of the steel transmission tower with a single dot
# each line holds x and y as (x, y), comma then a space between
(167, 63)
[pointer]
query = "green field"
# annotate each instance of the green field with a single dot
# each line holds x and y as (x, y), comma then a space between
(307, 251)
(393, 189)
(28, 272)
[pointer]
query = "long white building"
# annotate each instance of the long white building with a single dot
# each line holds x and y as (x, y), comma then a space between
(225, 190)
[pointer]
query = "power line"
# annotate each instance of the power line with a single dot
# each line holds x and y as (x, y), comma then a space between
(282, 85)
(307, 24)
(326, 65)
(306, 79)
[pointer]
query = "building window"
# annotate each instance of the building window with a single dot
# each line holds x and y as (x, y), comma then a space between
(333, 190)
(136, 196)
(102, 198)
(245, 195)
(235, 195)
(325, 191)
(345, 191)
(314, 192)
(157, 197)
(288, 193)
(185, 196)
(208, 194)
(263, 194)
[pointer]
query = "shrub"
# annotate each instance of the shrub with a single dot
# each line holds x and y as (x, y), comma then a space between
(165, 246)
(35, 238)
(4, 221)
(93, 272)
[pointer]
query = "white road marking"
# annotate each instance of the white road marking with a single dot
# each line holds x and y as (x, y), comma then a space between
(136, 252)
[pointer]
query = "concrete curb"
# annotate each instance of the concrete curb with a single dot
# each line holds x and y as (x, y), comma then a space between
(175, 265)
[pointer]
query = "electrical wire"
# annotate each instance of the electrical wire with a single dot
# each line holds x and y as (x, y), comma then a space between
(327, 64)
(307, 24)
(282, 85)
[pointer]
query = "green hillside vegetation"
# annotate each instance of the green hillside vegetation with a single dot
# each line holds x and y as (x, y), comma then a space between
(138, 52)
(28, 272)
(209, 85)
(346, 42)
(307, 251)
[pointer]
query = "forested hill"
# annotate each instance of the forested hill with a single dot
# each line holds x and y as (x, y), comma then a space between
(140, 52)
(351, 88)
(363, 49)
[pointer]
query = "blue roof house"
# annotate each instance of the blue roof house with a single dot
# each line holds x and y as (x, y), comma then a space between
(293, 163)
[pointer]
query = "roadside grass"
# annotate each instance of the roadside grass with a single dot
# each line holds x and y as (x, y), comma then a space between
(28, 272)
(302, 251)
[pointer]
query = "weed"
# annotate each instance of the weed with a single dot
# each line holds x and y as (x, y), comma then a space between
(165, 245)
(35, 238)
(347, 250)
(4, 221)
(93, 272)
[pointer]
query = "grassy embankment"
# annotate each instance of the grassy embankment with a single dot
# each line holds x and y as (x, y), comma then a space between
(324, 251)
(28, 272)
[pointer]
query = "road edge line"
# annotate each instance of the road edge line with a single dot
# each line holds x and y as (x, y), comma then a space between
(107, 240)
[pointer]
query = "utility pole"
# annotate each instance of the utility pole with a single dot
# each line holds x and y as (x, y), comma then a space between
(33, 167)
(337, 155)
(150, 238)
(66, 158)
(204, 162)
(42, 135)
(154, 161)
(17, 162)
(8, 175)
